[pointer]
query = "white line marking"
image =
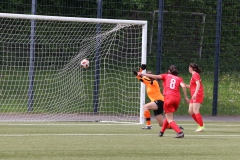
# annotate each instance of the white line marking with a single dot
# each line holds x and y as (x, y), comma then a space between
(166, 135)
(111, 124)
(67, 124)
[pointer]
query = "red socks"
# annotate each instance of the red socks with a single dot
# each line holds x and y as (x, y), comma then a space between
(194, 117)
(172, 125)
(198, 118)
(165, 125)
(175, 127)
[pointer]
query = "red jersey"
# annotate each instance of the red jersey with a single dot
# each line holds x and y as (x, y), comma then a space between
(193, 85)
(171, 84)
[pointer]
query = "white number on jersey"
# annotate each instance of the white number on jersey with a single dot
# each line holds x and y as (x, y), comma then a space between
(172, 84)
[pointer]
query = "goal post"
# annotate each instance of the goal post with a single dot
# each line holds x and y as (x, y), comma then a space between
(41, 77)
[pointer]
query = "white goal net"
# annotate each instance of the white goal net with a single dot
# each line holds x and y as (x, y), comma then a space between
(41, 78)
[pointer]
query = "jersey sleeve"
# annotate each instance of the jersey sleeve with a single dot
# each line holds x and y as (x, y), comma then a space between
(145, 80)
(163, 76)
(196, 77)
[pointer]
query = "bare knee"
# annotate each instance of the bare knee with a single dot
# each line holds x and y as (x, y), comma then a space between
(145, 107)
(190, 109)
(190, 112)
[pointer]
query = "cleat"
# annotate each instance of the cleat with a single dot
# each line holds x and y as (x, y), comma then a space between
(147, 127)
(200, 129)
(160, 134)
(180, 127)
(180, 135)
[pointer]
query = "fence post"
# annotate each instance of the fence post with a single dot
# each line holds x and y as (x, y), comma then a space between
(97, 60)
(159, 36)
(217, 55)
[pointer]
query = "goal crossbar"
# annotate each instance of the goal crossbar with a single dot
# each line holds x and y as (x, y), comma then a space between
(72, 19)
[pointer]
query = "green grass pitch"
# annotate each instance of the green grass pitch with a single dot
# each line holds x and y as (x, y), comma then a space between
(111, 141)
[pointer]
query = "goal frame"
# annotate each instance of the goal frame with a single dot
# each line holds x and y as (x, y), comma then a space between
(95, 20)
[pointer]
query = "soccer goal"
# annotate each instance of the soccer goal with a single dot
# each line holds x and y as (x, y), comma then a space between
(41, 77)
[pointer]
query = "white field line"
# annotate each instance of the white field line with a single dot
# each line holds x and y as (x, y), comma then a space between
(165, 135)
(107, 124)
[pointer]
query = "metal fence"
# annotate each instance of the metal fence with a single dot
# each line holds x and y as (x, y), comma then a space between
(179, 32)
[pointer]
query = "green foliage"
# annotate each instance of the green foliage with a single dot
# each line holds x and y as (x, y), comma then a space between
(141, 4)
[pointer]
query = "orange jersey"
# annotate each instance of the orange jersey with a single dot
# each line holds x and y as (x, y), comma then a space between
(152, 87)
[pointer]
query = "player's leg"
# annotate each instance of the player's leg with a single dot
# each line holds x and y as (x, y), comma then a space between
(147, 115)
(169, 127)
(172, 123)
(159, 119)
(170, 107)
(196, 108)
(165, 122)
(190, 111)
(158, 113)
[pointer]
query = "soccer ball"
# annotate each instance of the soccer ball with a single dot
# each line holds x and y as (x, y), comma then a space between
(84, 63)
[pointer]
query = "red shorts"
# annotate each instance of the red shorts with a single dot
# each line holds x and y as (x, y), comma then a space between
(171, 103)
(199, 99)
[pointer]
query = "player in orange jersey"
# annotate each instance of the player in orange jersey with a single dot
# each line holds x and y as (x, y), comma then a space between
(156, 98)
(172, 97)
(197, 93)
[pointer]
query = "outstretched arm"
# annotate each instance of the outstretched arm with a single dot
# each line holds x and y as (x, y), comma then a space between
(150, 75)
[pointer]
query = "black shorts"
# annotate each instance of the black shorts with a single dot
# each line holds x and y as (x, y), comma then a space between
(159, 103)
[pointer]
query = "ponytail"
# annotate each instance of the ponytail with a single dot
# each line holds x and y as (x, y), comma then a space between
(195, 67)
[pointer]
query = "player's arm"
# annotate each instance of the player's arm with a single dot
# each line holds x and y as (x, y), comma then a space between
(187, 85)
(143, 79)
(150, 75)
(140, 78)
(183, 85)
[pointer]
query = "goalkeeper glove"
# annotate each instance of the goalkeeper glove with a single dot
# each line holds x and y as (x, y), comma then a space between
(135, 73)
(143, 66)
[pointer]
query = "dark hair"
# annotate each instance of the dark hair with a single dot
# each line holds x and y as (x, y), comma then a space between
(173, 70)
(195, 67)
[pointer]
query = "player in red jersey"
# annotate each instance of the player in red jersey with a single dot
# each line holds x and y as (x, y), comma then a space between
(156, 98)
(197, 95)
(172, 97)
